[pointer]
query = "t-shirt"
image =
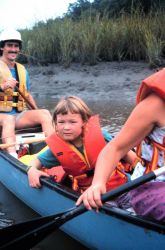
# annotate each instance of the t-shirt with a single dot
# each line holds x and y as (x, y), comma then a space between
(48, 159)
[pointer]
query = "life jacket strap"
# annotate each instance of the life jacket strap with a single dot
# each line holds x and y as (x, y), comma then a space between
(75, 179)
(153, 164)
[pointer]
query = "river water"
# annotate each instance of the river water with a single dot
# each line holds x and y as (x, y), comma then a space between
(113, 113)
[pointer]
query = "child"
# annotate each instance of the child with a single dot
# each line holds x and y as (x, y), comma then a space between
(145, 127)
(75, 145)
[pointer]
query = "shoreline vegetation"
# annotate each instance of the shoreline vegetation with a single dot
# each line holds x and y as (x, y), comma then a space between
(95, 38)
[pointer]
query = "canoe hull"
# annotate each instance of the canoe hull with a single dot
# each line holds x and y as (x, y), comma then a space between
(109, 229)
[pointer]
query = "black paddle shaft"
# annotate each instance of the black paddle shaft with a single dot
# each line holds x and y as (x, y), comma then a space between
(28, 234)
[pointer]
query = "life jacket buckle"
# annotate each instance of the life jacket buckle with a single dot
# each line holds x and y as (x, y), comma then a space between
(75, 179)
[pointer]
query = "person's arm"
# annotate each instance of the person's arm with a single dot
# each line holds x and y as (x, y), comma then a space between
(34, 172)
(129, 157)
(137, 127)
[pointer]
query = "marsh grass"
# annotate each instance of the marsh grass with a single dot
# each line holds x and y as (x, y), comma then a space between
(91, 39)
(154, 48)
(89, 35)
(66, 38)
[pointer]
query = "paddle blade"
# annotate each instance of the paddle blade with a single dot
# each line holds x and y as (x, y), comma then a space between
(14, 231)
(27, 234)
(8, 234)
(27, 240)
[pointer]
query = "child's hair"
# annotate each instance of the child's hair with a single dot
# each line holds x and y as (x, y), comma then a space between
(74, 105)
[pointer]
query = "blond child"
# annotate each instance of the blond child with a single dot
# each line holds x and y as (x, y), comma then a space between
(76, 143)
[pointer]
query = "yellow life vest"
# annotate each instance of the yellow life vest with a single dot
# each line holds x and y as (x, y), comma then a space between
(7, 97)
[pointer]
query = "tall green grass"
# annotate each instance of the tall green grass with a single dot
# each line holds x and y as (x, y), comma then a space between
(91, 39)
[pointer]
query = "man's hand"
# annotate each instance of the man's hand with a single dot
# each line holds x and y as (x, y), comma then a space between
(9, 83)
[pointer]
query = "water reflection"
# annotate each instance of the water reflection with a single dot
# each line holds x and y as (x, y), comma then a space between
(5, 222)
(113, 112)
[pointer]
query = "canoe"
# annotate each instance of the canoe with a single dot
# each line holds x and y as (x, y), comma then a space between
(111, 228)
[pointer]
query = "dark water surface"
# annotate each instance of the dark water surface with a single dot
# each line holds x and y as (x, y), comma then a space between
(14, 211)
(113, 113)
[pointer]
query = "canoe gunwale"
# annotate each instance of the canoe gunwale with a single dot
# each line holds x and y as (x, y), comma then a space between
(49, 182)
(124, 215)
(135, 219)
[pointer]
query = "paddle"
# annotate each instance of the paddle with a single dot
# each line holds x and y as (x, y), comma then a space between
(27, 234)
(31, 105)
(27, 141)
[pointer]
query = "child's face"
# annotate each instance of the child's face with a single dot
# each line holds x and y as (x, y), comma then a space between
(69, 126)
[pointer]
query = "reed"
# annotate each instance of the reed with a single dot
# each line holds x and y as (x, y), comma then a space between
(89, 33)
(42, 43)
(66, 36)
(154, 39)
(113, 40)
(93, 38)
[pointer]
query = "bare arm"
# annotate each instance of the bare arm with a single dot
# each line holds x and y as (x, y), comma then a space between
(130, 157)
(145, 116)
(34, 173)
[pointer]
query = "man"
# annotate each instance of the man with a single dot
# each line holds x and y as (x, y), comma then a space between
(14, 93)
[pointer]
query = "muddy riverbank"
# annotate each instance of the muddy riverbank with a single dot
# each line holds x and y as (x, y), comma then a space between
(108, 88)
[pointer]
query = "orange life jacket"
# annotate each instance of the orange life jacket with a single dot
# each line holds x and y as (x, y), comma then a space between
(75, 164)
(6, 97)
(154, 83)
